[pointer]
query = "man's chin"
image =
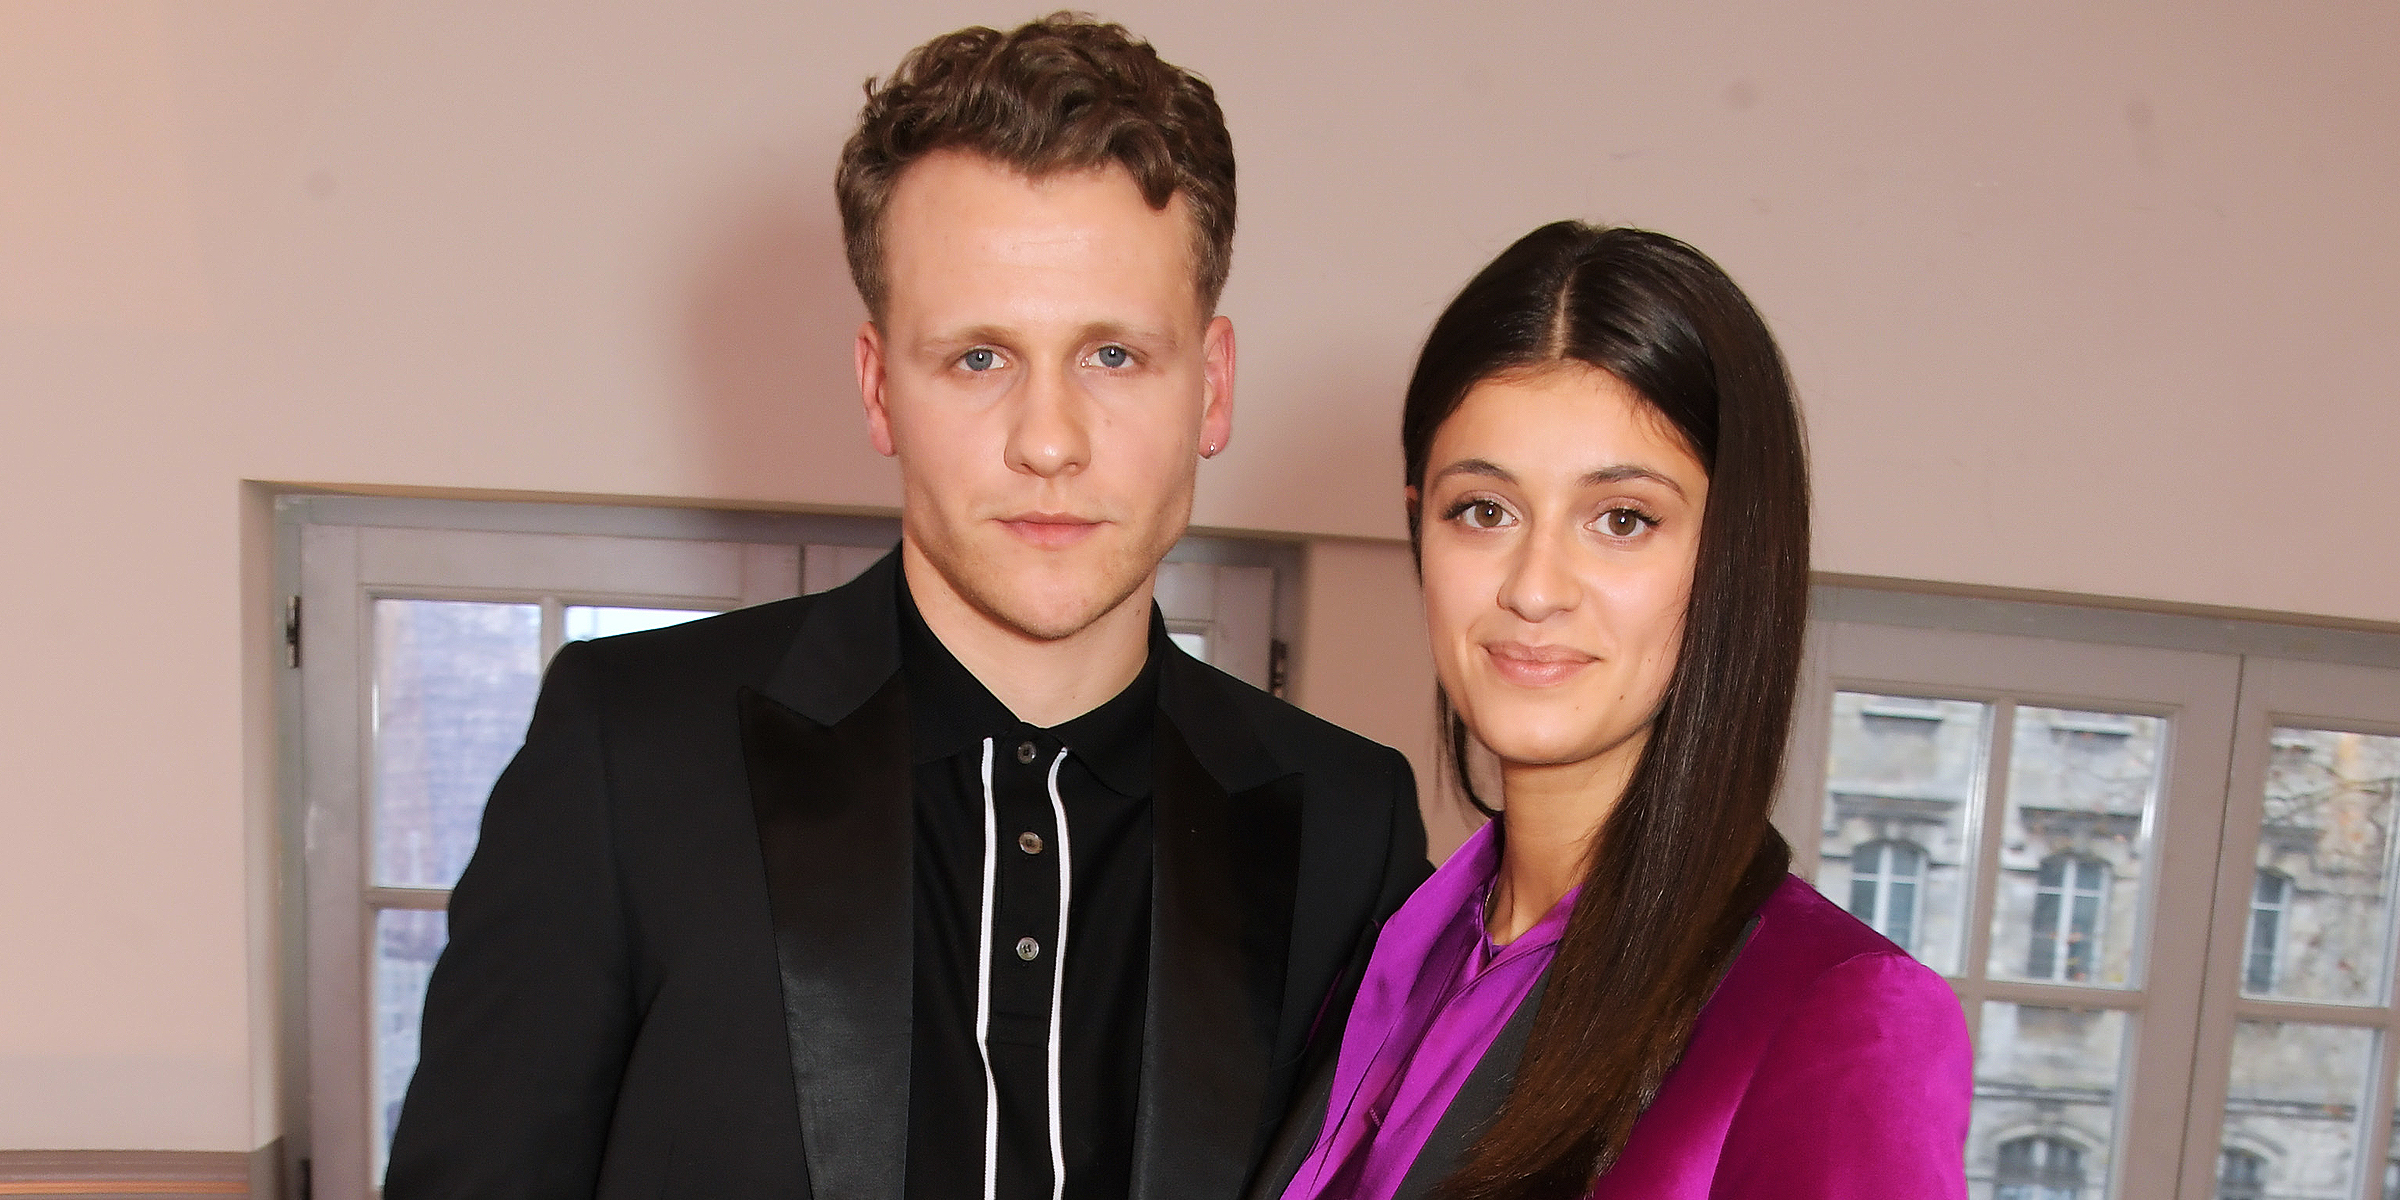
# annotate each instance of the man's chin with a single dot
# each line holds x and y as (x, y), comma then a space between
(1045, 595)
(1046, 618)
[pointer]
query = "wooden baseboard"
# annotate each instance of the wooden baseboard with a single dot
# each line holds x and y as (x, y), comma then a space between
(137, 1174)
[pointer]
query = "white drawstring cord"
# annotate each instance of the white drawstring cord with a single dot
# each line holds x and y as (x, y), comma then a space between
(983, 986)
(1058, 979)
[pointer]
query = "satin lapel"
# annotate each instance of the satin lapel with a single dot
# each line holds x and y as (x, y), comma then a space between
(834, 824)
(1479, 1099)
(1226, 870)
(1297, 1135)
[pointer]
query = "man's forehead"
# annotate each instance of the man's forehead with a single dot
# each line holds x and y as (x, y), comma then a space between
(960, 223)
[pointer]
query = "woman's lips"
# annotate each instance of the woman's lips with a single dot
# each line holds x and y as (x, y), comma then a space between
(1050, 531)
(1535, 666)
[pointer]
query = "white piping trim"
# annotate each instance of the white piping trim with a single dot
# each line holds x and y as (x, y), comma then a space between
(983, 985)
(1058, 979)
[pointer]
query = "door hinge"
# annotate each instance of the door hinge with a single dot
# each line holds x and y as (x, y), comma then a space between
(291, 631)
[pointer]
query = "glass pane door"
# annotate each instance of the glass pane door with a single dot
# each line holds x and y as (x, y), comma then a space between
(2003, 809)
(2297, 1052)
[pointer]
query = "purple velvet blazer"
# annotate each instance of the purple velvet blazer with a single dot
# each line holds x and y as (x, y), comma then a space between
(1829, 1065)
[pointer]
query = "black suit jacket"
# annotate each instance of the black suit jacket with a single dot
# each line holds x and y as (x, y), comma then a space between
(680, 960)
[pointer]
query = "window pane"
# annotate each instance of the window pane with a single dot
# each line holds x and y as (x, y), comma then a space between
(2080, 788)
(1903, 778)
(2295, 1099)
(2046, 1084)
(406, 943)
(587, 621)
(2241, 1175)
(2326, 846)
(454, 686)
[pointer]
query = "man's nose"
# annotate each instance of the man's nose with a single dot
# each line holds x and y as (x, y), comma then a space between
(1051, 433)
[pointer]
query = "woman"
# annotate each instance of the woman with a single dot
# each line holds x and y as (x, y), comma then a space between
(1609, 502)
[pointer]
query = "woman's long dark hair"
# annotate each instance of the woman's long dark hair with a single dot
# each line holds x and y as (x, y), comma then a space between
(1687, 855)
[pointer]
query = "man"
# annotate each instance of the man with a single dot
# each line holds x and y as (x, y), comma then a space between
(959, 880)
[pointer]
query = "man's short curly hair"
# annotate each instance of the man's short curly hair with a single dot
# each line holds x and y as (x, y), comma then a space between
(1063, 93)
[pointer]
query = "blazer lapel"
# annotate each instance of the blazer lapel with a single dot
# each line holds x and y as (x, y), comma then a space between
(827, 750)
(1227, 823)
(1478, 1100)
(1296, 1136)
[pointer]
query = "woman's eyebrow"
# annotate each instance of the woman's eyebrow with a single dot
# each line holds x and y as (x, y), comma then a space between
(1624, 471)
(1473, 466)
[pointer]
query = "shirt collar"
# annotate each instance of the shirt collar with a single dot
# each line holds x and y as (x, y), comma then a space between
(950, 710)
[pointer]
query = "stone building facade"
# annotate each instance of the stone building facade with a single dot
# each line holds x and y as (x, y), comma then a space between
(1905, 788)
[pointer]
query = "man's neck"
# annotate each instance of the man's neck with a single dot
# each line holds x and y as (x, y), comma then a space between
(1044, 682)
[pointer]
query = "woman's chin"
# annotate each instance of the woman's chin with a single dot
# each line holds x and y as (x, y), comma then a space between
(1524, 748)
(1541, 736)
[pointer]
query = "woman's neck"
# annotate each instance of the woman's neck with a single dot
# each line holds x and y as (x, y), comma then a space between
(1553, 813)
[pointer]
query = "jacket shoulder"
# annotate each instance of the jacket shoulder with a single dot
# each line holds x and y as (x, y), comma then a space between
(1297, 738)
(741, 646)
(1807, 951)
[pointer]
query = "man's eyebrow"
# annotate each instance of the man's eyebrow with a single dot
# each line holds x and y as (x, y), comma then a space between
(1113, 331)
(1096, 331)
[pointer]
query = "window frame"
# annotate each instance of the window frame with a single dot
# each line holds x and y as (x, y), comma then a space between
(1883, 878)
(2280, 910)
(2360, 666)
(344, 570)
(2062, 940)
(2256, 1164)
(2194, 691)
(2044, 1146)
(2282, 692)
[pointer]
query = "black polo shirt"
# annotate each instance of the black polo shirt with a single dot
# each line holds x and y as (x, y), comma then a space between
(1065, 1056)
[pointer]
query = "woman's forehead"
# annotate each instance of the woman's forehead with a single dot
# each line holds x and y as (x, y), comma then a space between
(1564, 423)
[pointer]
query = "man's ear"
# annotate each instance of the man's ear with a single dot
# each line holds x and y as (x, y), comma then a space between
(871, 387)
(1216, 413)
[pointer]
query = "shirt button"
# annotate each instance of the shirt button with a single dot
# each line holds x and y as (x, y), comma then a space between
(1025, 752)
(1028, 949)
(1030, 843)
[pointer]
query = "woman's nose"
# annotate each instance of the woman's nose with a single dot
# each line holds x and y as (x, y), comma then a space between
(1541, 581)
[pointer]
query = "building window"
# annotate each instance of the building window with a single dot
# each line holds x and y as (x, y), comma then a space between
(2038, 1168)
(2241, 1175)
(1884, 879)
(2267, 903)
(2066, 918)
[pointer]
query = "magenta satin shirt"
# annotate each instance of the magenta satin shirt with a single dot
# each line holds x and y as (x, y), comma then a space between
(1829, 1065)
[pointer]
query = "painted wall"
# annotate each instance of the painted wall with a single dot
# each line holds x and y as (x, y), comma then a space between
(2085, 298)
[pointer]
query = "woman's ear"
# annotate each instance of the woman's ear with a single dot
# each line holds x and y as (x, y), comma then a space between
(1415, 503)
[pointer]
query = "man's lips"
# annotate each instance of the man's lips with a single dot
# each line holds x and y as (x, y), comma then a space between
(1050, 531)
(1535, 666)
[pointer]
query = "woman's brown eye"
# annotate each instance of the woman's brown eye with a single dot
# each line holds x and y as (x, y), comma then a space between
(1483, 514)
(1621, 522)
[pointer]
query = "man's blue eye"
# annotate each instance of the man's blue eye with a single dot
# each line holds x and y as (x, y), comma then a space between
(1114, 356)
(979, 360)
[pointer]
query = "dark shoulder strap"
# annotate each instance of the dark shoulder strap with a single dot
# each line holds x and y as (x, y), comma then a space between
(1478, 1101)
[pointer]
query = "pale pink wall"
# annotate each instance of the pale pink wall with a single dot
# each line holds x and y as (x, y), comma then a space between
(2084, 298)
(1364, 665)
